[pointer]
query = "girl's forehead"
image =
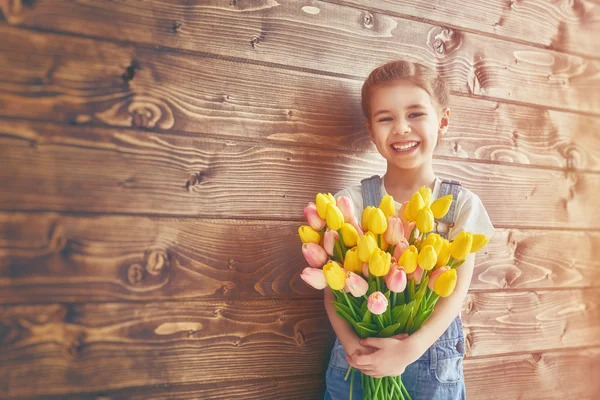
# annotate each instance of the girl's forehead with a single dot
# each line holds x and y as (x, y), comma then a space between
(399, 94)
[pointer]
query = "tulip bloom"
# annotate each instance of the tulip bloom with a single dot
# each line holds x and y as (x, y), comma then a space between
(402, 210)
(414, 205)
(329, 239)
(425, 220)
(434, 240)
(441, 206)
(461, 246)
(395, 280)
(322, 200)
(346, 206)
(309, 235)
(379, 263)
(408, 228)
(427, 258)
(364, 221)
(315, 255)
(335, 275)
(356, 285)
(408, 260)
(349, 234)
(377, 303)
(417, 275)
(334, 217)
(312, 217)
(314, 277)
(388, 206)
(377, 221)
(366, 244)
(425, 193)
(400, 248)
(352, 262)
(479, 242)
(365, 270)
(395, 231)
(443, 281)
(444, 254)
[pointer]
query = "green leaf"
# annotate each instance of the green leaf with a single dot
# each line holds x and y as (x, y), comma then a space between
(403, 316)
(372, 287)
(367, 317)
(344, 309)
(368, 326)
(363, 308)
(389, 330)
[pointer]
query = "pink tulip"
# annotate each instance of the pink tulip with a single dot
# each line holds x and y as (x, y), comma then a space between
(395, 280)
(346, 206)
(395, 231)
(408, 228)
(377, 303)
(400, 247)
(329, 239)
(356, 285)
(312, 217)
(358, 228)
(314, 277)
(315, 255)
(417, 275)
(365, 270)
(435, 274)
(401, 211)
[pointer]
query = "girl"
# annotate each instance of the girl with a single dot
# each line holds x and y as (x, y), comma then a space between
(406, 107)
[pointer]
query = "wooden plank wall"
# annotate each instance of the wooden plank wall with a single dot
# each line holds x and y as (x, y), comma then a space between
(155, 158)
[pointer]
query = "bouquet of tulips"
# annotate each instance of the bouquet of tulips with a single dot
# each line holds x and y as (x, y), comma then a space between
(387, 273)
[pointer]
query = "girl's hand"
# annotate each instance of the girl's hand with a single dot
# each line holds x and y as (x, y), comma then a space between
(391, 358)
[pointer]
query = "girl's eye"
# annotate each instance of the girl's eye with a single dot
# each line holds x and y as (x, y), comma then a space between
(415, 115)
(385, 119)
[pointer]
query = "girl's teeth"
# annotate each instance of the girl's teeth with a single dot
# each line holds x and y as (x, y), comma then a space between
(406, 147)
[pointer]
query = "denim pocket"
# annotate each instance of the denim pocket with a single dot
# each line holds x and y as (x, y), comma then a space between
(338, 357)
(448, 362)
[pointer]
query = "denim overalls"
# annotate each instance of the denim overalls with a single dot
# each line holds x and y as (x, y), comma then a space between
(438, 373)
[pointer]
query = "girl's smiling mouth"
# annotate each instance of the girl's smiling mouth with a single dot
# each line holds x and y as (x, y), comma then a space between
(405, 147)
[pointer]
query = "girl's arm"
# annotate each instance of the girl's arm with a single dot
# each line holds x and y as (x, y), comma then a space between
(446, 309)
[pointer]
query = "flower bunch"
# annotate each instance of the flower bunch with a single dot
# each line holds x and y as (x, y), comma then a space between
(386, 273)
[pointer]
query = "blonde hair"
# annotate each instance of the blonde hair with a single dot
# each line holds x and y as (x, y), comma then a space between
(422, 76)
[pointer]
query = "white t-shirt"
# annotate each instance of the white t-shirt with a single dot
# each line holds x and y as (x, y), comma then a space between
(469, 213)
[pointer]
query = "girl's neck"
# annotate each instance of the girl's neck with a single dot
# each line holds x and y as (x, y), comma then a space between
(402, 183)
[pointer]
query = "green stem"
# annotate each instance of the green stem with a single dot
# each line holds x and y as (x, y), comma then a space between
(378, 284)
(379, 240)
(351, 383)
(377, 387)
(393, 300)
(350, 305)
(339, 231)
(347, 373)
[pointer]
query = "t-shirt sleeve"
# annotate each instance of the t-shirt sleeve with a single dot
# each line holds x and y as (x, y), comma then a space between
(472, 217)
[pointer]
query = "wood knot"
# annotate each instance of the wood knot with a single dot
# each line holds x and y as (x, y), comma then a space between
(231, 264)
(254, 41)
(193, 180)
(156, 261)
(176, 26)
(141, 117)
(76, 345)
(135, 274)
(129, 73)
(368, 20)
(443, 41)
(537, 357)
(299, 338)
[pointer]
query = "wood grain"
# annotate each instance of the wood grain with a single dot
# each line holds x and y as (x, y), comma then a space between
(107, 346)
(88, 169)
(334, 39)
(82, 81)
(47, 257)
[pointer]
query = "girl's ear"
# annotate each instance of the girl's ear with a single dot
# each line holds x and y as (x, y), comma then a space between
(368, 126)
(444, 121)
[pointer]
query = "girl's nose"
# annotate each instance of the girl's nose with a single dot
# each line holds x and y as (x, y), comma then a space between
(402, 127)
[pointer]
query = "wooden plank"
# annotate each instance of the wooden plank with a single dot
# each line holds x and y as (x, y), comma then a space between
(107, 170)
(105, 346)
(287, 33)
(59, 258)
(545, 375)
(569, 374)
(565, 26)
(81, 81)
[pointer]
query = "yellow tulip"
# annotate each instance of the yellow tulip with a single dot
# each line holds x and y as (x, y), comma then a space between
(352, 262)
(335, 275)
(479, 242)
(425, 220)
(434, 240)
(445, 283)
(349, 234)
(414, 205)
(384, 245)
(426, 195)
(322, 200)
(427, 258)
(444, 254)
(334, 217)
(388, 206)
(461, 246)
(441, 206)
(309, 235)
(377, 221)
(379, 263)
(366, 244)
(408, 259)
(364, 221)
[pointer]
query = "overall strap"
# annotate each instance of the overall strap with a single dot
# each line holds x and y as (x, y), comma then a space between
(371, 191)
(447, 187)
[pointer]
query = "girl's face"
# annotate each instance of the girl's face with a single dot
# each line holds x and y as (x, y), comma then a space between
(405, 125)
